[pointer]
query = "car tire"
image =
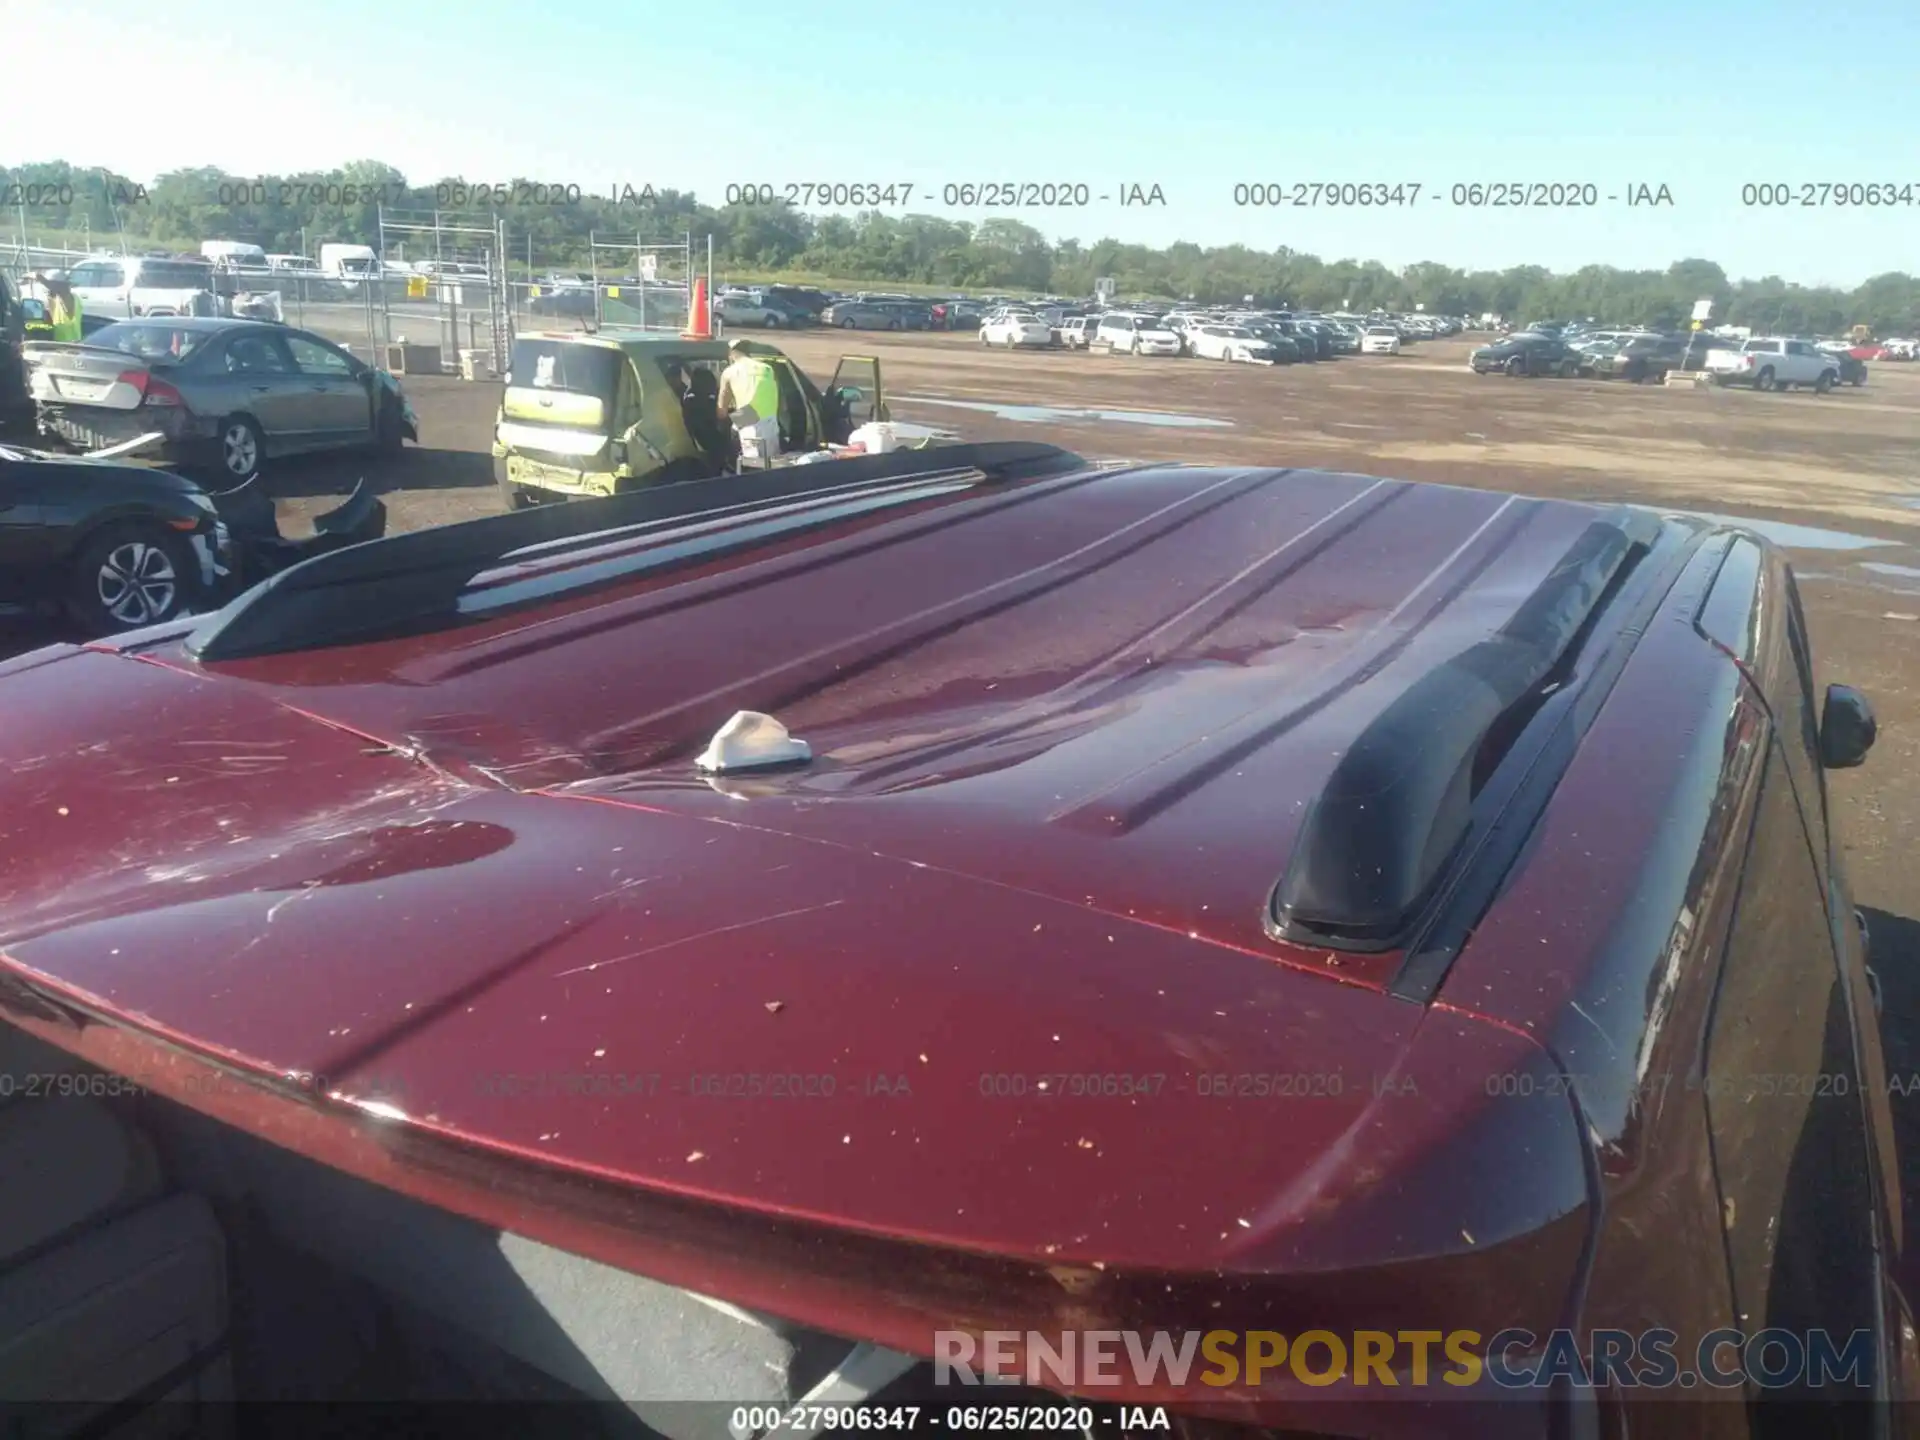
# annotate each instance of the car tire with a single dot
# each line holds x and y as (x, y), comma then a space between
(772, 322)
(131, 574)
(847, 325)
(1764, 380)
(1516, 367)
(1569, 369)
(1858, 380)
(513, 496)
(1824, 383)
(240, 449)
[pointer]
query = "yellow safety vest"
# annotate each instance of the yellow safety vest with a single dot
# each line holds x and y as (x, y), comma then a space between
(752, 383)
(65, 315)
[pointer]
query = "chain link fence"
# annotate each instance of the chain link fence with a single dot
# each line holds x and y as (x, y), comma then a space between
(451, 289)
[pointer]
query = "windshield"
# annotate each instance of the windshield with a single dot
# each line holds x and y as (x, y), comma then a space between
(153, 340)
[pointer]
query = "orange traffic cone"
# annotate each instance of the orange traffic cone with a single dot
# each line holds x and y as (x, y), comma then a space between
(699, 318)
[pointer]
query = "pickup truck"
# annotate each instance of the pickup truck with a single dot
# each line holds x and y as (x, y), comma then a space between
(125, 287)
(1774, 363)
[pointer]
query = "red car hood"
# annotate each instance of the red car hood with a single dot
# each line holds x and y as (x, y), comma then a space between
(696, 1005)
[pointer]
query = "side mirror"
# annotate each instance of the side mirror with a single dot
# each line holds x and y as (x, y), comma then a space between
(1847, 728)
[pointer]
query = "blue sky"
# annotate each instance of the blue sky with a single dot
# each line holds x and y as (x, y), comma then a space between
(1194, 98)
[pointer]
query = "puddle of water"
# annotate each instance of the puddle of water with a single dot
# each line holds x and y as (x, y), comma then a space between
(1912, 502)
(1880, 567)
(1044, 413)
(1795, 537)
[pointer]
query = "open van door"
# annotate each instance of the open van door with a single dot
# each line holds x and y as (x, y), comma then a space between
(855, 396)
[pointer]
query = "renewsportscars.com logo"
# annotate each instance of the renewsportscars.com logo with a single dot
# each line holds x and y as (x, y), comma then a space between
(1382, 1359)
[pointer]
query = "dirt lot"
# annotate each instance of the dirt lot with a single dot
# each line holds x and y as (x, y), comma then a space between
(1843, 469)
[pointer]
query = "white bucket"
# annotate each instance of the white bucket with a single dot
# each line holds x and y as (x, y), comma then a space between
(876, 437)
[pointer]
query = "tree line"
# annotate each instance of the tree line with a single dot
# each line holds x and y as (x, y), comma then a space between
(60, 204)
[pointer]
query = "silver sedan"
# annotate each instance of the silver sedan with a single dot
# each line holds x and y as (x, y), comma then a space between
(223, 395)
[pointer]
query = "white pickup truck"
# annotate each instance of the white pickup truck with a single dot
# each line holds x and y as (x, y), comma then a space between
(134, 285)
(1774, 363)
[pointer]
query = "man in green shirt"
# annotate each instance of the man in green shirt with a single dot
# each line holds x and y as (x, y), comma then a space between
(750, 397)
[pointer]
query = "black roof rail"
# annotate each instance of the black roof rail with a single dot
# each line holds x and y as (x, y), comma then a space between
(1383, 832)
(390, 585)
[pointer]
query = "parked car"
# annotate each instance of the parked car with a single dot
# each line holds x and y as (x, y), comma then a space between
(1230, 342)
(1380, 340)
(918, 314)
(1077, 333)
(112, 544)
(583, 416)
(763, 310)
(1775, 363)
(955, 314)
(1284, 349)
(124, 287)
(226, 395)
(1011, 328)
(862, 315)
(1639, 358)
(1852, 363)
(800, 299)
(467, 1087)
(1526, 352)
(1131, 334)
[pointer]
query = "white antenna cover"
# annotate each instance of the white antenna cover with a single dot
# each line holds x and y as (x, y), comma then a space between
(751, 741)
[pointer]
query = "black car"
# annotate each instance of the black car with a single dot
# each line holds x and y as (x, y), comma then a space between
(803, 299)
(114, 545)
(1527, 353)
(1638, 358)
(1853, 370)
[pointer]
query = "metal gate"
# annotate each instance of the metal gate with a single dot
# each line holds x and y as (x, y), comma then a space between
(448, 270)
(643, 285)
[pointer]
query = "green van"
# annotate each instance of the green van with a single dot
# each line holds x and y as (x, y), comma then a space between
(603, 412)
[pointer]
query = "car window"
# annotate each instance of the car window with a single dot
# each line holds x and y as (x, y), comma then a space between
(175, 275)
(1783, 1095)
(313, 358)
(154, 340)
(557, 365)
(255, 355)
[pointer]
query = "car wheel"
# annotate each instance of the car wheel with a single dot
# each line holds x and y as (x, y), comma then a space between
(846, 325)
(894, 324)
(240, 448)
(772, 322)
(1516, 366)
(1569, 369)
(1824, 383)
(1860, 379)
(1764, 380)
(129, 575)
(983, 338)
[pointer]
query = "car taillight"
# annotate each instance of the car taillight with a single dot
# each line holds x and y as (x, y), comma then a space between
(152, 391)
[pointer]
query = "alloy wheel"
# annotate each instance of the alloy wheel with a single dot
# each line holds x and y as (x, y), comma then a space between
(238, 451)
(137, 583)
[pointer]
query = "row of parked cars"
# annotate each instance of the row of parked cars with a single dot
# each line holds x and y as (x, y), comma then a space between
(1643, 356)
(1258, 337)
